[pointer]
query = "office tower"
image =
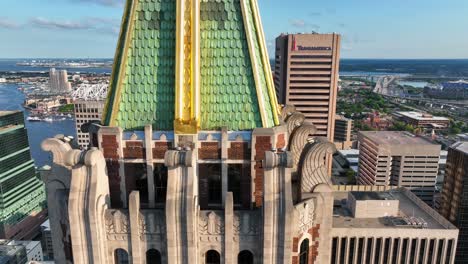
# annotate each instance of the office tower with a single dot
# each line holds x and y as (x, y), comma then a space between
(398, 159)
(386, 225)
(46, 241)
(22, 196)
(20, 252)
(343, 132)
(58, 81)
(194, 165)
(89, 103)
(454, 204)
(306, 76)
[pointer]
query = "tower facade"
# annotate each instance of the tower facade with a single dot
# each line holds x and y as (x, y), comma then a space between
(194, 161)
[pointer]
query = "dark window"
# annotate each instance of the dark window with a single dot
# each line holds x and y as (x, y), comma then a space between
(412, 255)
(430, 254)
(404, 249)
(245, 257)
(334, 247)
(136, 178)
(160, 182)
(239, 184)
(423, 245)
(360, 250)
(449, 251)
(440, 251)
(370, 244)
(120, 256)
(153, 257)
(352, 242)
(386, 250)
(378, 248)
(396, 244)
(304, 253)
(210, 188)
(212, 257)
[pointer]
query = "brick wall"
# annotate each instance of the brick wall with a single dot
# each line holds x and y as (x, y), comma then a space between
(239, 151)
(262, 144)
(113, 168)
(160, 149)
(110, 146)
(209, 150)
(280, 141)
(134, 150)
(313, 245)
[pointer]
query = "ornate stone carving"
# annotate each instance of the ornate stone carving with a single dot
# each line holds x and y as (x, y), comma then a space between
(117, 225)
(211, 226)
(312, 168)
(294, 121)
(299, 139)
(287, 111)
(307, 216)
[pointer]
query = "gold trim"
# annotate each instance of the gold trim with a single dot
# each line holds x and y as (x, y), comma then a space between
(254, 64)
(123, 64)
(179, 59)
(266, 62)
(195, 60)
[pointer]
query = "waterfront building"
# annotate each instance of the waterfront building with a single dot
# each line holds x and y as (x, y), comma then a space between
(200, 165)
(58, 81)
(343, 132)
(22, 196)
(398, 159)
(423, 120)
(88, 103)
(454, 204)
(306, 76)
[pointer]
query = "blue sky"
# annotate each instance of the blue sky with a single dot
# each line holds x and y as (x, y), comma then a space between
(370, 28)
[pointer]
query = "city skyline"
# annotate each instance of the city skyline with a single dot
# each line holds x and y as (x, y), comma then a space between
(89, 28)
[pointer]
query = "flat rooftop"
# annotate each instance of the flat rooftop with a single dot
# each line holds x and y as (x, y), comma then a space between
(422, 116)
(409, 207)
(461, 146)
(394, 138)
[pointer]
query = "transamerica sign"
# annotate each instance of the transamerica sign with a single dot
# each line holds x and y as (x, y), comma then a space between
(295, 47)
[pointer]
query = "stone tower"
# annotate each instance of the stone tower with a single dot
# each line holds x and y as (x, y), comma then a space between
(195, 161)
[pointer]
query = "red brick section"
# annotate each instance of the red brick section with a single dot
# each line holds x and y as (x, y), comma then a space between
(209, 150)
(110, 146)
(134, 150)
(280, 141)
(160, 149)
(262, 144)
(313, 248)
(239, 151)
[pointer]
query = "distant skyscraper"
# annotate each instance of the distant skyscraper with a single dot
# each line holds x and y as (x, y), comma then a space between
(306, 76)
(22, 196)
(454, 204)
(58, 81)
(398, 159)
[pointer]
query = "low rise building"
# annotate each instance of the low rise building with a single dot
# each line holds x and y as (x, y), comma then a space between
(20, 252)
(424, 120)
(388, 225)
(399, 159)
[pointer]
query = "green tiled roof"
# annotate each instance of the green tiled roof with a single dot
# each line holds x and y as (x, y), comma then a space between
(143, 86)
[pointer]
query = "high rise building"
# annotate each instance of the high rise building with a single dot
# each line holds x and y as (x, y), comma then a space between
(454, 205)
(58, 81)
(343, 132)
(306, 76)
(194, 165)
(398, 159)
(88, 103)
(22, 194)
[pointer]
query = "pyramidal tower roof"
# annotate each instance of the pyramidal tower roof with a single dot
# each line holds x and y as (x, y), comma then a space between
(190, 65)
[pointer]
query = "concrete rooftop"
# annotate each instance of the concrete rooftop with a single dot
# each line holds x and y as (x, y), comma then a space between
(394, 138)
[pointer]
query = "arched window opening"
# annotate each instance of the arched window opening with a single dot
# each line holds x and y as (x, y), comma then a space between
(153, 257)
(120, 256)
(245, 257)
(212, 257)
(304, 253)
